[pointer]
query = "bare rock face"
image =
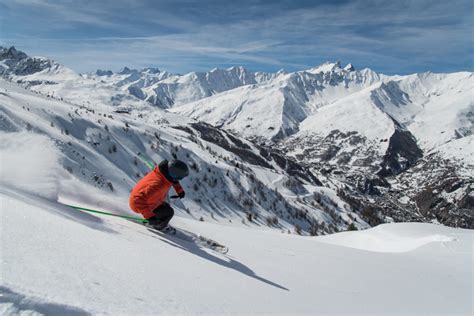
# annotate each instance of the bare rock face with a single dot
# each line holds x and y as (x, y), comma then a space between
(20, 64)
(11, 53)
(402, 153)
(401, 185)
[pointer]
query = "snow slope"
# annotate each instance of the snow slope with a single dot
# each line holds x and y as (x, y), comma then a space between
(93, 151)
(59, 261)
(354, 113)
(435, 108)
(56, 260)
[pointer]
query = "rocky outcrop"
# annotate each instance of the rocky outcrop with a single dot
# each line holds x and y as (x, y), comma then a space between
(20, 64)
(402, 153)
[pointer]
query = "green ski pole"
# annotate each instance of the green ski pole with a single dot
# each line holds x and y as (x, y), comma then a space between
(149, 164)
(138, 219)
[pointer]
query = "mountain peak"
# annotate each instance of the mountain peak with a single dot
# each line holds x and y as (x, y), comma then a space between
(18, 63)
(349, 67)
(125, 71)
(11, 53)
(326, 67)
(151, 70)
(237, 69)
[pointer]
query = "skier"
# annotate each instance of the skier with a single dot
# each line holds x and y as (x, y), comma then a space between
(148, 197)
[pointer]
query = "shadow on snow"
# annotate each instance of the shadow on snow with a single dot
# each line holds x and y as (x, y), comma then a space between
(198, 251)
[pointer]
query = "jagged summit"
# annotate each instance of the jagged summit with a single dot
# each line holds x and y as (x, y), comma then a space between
(11, 53)
(15, 62)
(331, 67)
(349, 67)
(326, 67)
(240, 69)
(125, 71)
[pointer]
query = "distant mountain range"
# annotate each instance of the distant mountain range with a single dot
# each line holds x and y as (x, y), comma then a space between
(167, 90)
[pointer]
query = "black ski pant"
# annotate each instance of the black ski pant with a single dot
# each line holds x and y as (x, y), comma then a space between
(163, 214)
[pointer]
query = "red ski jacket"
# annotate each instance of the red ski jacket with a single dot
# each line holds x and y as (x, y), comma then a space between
(150, 192)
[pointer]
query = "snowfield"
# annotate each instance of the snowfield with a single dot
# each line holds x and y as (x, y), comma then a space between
(59, 261)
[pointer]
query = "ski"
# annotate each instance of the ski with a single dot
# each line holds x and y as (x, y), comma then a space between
(187, 236)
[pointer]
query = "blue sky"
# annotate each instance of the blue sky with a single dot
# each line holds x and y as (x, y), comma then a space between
(393, 37)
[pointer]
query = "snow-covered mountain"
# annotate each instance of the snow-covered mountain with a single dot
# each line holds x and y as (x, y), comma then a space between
(232, 181)
(50, 78)
(166, 90)
(275, 108)
(433, 107)
(159, 88)
(359, 129)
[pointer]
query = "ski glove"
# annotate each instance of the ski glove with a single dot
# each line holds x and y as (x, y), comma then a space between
(181, 194)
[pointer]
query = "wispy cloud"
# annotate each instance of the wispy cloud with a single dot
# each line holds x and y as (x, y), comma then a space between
(390, 36)
(55, 11)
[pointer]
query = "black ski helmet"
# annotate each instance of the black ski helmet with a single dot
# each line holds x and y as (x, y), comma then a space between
(177, 169)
